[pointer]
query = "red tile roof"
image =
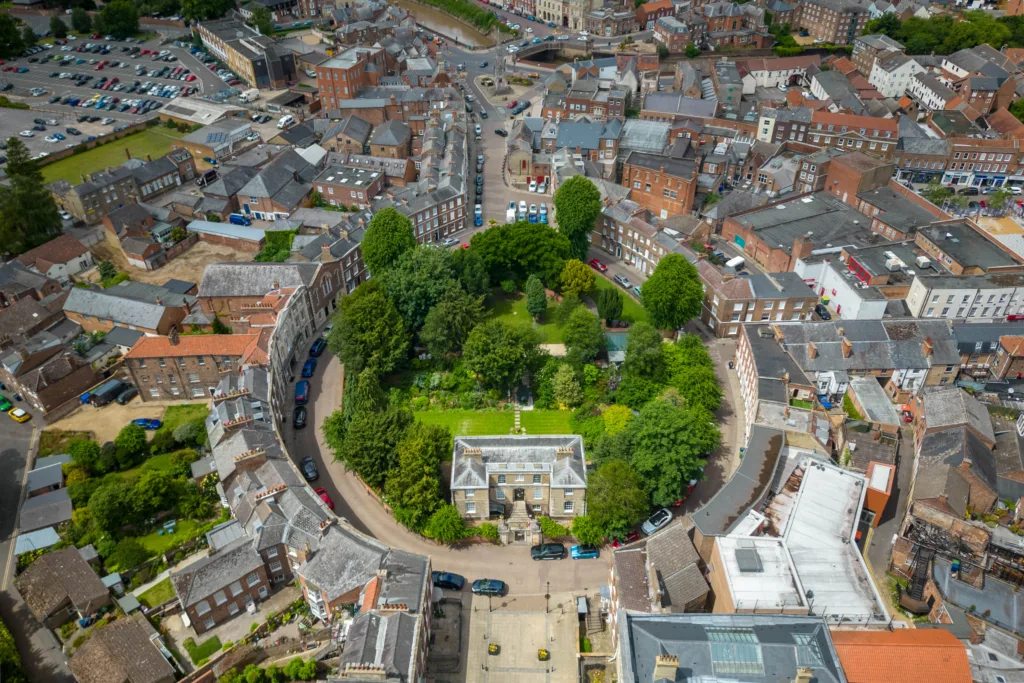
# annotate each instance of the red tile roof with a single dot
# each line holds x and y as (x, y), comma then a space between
(902, 656)
(195, 345)
(1004, 122)
(58, 250)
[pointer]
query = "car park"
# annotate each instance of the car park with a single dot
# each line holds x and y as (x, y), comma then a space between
(659, 520)
(488, 587)
(547, 551)
(447, 581)
(308, 468)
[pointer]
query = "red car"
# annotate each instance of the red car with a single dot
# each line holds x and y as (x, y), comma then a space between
(512, 104)
(143, 52)
(325, 498)
(630, 537)
(597, 265)
(686, 494)
(190, 78)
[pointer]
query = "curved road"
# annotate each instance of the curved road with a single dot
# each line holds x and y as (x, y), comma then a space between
(511, 564)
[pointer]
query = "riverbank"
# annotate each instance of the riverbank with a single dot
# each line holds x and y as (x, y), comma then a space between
(448, 25)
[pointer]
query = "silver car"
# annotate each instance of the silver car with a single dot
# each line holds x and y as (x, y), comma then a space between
(659, 520)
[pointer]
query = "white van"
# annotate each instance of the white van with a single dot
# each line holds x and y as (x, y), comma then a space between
(286, 121)
(250, 95)
(510, 213)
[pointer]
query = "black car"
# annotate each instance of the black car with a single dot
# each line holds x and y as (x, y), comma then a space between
(40, 121)
(547, 551)
(483, 65)
(308, 468)
(488, 587)
(969, 191)
(822, 312)
(39, 126)
(452, 582)
(127, 395)
(299, 418)
(73, 131)
(502, 132)
(317, 348)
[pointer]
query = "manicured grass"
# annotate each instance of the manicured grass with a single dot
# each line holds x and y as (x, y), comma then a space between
(631, 308)
(473, 423)
(156, 543)
(205, 649)
(54, 441)
(156, 462)
(179, 415)
(158, 594)
(512, 309)
(154, 141)
(797, 403)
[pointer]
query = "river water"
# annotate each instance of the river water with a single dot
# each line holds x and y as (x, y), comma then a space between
(445, 25)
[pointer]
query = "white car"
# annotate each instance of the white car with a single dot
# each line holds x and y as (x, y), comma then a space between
(27, 134)
(252, 136)
(529, 29)
(51, 139)
(582, 38)
(514, 27)
(65, 48)
(563, 37)
(1015, 190)
(107, 121)
(533, 186)
(64, 215)
(513, 48)
(41, 155)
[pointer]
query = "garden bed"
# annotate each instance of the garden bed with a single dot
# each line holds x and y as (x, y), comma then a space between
(54, 441)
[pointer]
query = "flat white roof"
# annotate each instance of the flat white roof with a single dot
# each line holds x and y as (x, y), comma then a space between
(880, 477)
(761, 574)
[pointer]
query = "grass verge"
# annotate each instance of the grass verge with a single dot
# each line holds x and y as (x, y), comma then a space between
(511, 308)
(175, 416)
(631, 308)
(156, 542)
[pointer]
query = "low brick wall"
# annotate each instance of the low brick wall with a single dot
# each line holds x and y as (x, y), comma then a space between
(110, 139)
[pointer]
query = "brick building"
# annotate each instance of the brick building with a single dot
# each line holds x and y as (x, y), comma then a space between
(257, 59)
(346, 186)
(867, 49)
(833, 21)
(391, 139)
(853, 173)
(344, 76)
(136, 305)
(663, 185)
(868, 134)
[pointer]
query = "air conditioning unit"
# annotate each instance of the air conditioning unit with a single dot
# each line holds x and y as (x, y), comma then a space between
(923, 262)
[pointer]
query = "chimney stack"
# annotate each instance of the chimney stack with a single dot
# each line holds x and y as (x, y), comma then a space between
(665, 667)
(812, 350)
(847, 347)
(927, 346)
(325, 253)
(804, 675)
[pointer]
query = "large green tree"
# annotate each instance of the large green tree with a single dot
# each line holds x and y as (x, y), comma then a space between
(80, 20)
(566, 387)
(58, 28)
(673, 293)
(669, 444)
(414, 487)
(205, 9)
(517, 251)
(11, 43)
(609, 304)
(583, 336)
(417, 280)
(120, 18)
(449, 322)
(388, 236)
(130, 443)
(28, 214)
(368, 331)
(616, 498)
(577, 278)
(371, 441)
(536, 297)
(500, 352)
(446, 525)
(644, 353)
(470, 271)
(577, 207)
(112, 506)
(28, 36)
(262, 20)
(85, 453)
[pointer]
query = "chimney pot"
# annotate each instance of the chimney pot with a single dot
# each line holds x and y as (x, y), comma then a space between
(812, 350)
(847, 347)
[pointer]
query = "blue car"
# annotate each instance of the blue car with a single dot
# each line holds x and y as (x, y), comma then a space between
(551, 24)
(478, 220)
(302, 393)
(317, 348)
(309, 367)
(536, 41)
(446, 580)
(584, 552)
(148, 423)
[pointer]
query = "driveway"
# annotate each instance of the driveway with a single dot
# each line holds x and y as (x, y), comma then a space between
(511, 564)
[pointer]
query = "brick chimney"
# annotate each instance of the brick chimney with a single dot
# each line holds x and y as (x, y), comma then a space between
(847, 347)
(804, 675)
(812, 350)
(927, 346)
(665, 666)
(325, 253)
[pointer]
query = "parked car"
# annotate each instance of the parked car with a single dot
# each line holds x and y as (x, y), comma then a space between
(659, 520)
(622, 281)
(822, 312)
(488, 587)
(309, 367)
(448, 581)
(547, 551)
(327, 331)
(127, 395)
(148, 423)
(299, 417)
(584, 552)
(317, 348)
(597, 265)
(502, 132)
(5, 405)
(19, 415)
(302, 392)
(325, 497)
(308, 468)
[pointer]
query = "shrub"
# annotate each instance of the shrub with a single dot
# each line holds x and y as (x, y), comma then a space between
(551, 528)
(488, 531)
(163, 441)
(508, 286)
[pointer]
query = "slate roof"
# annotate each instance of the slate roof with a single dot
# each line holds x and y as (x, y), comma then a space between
(127, 303)
(58, 576)
(253, 279)
(383, 640)
(673, 103)
(587, 135)
(938, 475)
(230, 181)
(952, 406)
(45, 510)
(123, 650)
(391, 133)
(566, 472)
(675, 562)
(680, 168)
(202, 579)
(286, 180)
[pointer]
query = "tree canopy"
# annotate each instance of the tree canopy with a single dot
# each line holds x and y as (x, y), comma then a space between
(577, 207)
(644, 353)
(672, 295)
(669, 444)
(28, 214)
(120, 18)
(583, 336)
(414, 487)
(536, 297)
(516, 251)
(81, 21)
(499, 352)
(450, 320)
(11, 43)
(387, 237)
(417, 280)
(941, 34)
(369, 332)
(577, 277)
(262, 20)
(616, 498)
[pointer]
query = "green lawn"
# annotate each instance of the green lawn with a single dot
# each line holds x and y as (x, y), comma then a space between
(631, 308)
(158, 594)
(157, 543)
(55, 441)
(178, 415)
(205, 649)
(154, 141)
(473, 423)
(512, 309)
(797, 403)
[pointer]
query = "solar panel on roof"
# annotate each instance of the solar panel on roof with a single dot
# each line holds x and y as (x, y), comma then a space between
(215, 137)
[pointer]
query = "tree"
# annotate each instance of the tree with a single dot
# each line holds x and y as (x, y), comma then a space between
(388, 237)
(699, 386)
(112, 506)
(577, 278)
(583, 336)
(635, 391)
(499, 352)
(11, 43)
(28, 36)
(663, 52)
(586, 531)
(121, 18)
(262, 20)
(517, 251)
(570, 302)
(470, 271)
(416, 281)
(446, 525)
(80, 20)
(58, 28)
(616, 499)
(692, 51)
(10, 660)
(669, 444)
(577, 206)
(887, 24)
(369, 332)
(371, 441)
(643, 353)
(450, 321)
(130, 442)
(609, 304)
(128, 554)
(85, 453)
(536, 297)
(566, 387)
(178, 233)
(155, 491)
(997, 200)
(107, 270)
(672, 295)
(935, 192)
(205, 9)
(28, 214)
(414, 487)
(616, 418)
